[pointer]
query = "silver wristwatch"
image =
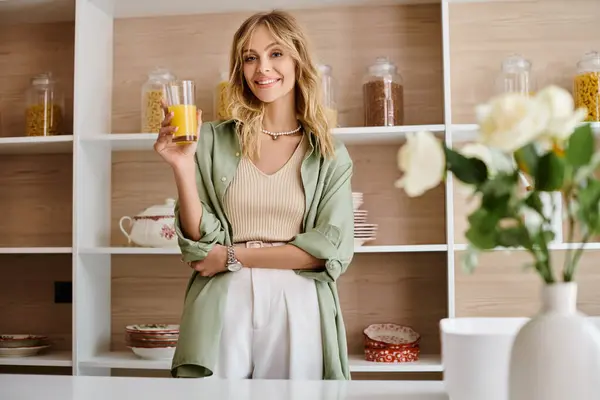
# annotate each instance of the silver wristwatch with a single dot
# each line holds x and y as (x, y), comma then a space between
(233, 264)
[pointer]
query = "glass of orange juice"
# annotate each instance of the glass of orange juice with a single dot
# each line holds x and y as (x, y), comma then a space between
(181, 101)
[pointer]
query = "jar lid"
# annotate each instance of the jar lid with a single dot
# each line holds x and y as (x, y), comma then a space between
(45, 78)
(324, 69)
(160, 210)
(382, 66)
(590, 60)
(515, 63)
(161, 73)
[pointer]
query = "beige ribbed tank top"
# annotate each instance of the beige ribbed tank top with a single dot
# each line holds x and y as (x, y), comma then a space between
(267, 207)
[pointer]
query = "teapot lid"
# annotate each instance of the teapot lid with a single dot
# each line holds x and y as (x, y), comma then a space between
(159, 210)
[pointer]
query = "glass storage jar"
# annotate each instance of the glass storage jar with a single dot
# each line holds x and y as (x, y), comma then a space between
(328, 89)
(383, 94)
(221, 99)
(586, 88)
(153, 91)
(45, 106)
(515, 76)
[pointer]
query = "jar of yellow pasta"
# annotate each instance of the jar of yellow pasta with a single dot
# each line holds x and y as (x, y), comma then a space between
(153, 91)
(221, 98)
(586, 89)
(45, 106)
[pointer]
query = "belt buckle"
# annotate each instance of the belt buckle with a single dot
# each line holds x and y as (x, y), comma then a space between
(253, 244)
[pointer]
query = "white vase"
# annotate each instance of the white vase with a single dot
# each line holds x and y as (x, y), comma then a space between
(556, 355)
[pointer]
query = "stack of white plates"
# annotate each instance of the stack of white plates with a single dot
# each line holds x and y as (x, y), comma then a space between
(363, 231)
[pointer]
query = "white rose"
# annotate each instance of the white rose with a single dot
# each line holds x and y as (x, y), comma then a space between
(423, 162)
(511, 121)
(563, 118)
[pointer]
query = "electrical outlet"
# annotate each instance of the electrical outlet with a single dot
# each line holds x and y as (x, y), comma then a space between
(63, 292)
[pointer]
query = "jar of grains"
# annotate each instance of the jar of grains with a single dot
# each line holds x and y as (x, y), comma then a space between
(328, 90)
(45, 106)
(586, 89)
(515, 76)
(153, 91)
(221, 98)
(383, 94)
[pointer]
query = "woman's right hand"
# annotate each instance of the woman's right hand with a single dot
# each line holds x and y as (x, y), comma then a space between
(175, 154)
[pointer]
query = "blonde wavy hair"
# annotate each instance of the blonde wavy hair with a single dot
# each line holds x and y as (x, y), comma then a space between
(248, 110)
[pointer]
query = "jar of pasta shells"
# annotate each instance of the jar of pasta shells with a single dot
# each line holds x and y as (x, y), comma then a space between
(153, 91)
(45, 106)
(383, 94)
(328, 89)
(586, 89)
(221, 99)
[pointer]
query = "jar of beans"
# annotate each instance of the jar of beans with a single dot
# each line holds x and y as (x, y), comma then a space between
(45, 106)
(153, 91)
(586, 89)
(383, 94)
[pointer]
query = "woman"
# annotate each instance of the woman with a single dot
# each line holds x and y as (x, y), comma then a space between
(264, 217)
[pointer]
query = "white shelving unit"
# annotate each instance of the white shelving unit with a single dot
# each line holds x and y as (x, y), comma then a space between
(93, 143)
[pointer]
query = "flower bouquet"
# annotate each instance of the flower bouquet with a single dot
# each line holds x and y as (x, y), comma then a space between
(527, 149)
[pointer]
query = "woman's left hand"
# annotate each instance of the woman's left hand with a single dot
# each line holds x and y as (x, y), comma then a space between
(215, 262)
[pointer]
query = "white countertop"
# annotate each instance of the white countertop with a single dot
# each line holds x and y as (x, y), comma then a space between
(47, 387)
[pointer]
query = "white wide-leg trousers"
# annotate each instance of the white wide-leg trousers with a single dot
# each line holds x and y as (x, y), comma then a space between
(271, 327)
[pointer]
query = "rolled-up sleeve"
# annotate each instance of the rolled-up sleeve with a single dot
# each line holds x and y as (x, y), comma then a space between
(211, 229)
(332, 237)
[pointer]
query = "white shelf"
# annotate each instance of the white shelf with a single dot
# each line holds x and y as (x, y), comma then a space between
(418, 248)
(351, 136)
(462, 133)
(136, 8)
(362, 249)
(557, 246)
(36, 144)
(51, 359)
(36, 250)
(426, 363)
(128, 360)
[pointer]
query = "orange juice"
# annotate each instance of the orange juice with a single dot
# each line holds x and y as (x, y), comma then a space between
(186, 121)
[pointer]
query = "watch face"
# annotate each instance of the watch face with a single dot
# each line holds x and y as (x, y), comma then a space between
(234, 267)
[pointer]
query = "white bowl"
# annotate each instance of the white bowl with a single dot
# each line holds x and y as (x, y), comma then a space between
(159, 353)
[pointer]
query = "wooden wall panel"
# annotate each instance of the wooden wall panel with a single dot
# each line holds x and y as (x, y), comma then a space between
(552, 34)
(500, 287)
(27, 50)
(142, 179)
(410, 289)
(349, 39)
(36, 198)
(27, 297)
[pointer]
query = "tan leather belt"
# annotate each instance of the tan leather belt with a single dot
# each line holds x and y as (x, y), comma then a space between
(259, 243)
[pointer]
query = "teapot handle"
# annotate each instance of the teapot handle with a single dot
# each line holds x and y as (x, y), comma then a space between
(123, 229)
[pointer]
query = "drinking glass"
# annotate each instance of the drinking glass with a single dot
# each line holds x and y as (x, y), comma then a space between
(181, 101)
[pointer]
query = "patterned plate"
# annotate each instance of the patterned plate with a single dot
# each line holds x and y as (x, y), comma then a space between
(391, 335)
(158, 328)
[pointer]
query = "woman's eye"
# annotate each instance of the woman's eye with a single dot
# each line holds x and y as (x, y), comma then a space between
(277, 54)
(249, 58)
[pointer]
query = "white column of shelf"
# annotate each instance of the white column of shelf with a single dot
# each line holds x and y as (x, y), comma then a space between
(92, 182)
(448, 140)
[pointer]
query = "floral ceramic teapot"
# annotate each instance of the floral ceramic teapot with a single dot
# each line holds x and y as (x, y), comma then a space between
(153, 227)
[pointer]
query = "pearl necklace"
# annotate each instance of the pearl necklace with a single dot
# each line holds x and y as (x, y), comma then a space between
(275, 135)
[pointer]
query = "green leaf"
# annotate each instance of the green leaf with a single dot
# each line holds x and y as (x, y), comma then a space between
(484, 240)
(587, 171)
(469, 170)
(470, 259)
(514, 236)
(534, 202)
(550, 174)
(588, 210)
(527, 159)
(482, 227)
(580, 147)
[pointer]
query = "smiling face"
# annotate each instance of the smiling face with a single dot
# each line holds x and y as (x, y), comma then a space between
(269, 69)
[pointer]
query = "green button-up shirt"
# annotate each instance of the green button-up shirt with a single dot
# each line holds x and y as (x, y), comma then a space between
(328, 234)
